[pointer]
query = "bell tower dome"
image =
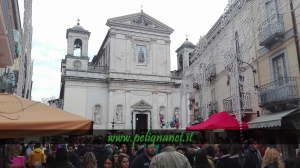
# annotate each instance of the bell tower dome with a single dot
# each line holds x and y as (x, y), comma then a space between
(77, 38)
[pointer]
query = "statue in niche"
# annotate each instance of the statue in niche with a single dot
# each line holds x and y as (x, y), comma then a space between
(119, 114)
(161, 117)
(141, 56)
(176, 113)
(97, 114)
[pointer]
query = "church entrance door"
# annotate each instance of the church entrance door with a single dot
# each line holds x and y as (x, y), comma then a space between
(141, 123)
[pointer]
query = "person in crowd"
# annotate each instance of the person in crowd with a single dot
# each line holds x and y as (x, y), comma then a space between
(245, 145)
(222, 160)
(217, 152)
(101, 152)
(252, 155)
(271, 143)
(62, 159)
(28, 151)
(143, 160)
(89, 161)
(169, 157)
(272, 159)
(140, 149)
(133, 151)
(124, 148)
(123, 160)
(37, 155)
(112, 147)
(109, 162)
(293, 162)
(211, 153)
(201, 160)
(237, 156)
(195, 145)
(49, 157)
(115, 154)
(84, 150)
(73, 157)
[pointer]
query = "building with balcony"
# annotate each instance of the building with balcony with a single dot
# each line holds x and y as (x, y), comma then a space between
(254, 47)
(15, 60)
(128, 84)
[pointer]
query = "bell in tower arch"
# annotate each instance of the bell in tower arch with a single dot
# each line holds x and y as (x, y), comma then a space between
(77, 44)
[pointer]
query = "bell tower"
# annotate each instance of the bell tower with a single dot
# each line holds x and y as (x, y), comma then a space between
(184, 54)
(77, 38)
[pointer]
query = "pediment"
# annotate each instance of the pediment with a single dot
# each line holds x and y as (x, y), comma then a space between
(141, 105)
(139, 21)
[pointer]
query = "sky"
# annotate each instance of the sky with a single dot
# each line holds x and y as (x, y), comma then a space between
(52, 18)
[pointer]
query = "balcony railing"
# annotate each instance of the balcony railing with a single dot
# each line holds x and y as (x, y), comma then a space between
(212, 72)
(199, 112)
(245, 102)
(270, 31)
(97, 68)
(280, 90)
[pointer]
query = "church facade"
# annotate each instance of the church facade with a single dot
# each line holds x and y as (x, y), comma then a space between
(128, 84)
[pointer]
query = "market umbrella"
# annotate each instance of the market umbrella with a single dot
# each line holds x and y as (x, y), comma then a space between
(218, 121)
(21, 117)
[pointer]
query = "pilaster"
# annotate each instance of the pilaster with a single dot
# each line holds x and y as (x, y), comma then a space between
(112, 37)
(127, 109)
(128, 53)
(168, 57)
(154, 55)
(111, 109)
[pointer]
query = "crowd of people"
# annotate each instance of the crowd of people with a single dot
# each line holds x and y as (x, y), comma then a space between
(95, 153)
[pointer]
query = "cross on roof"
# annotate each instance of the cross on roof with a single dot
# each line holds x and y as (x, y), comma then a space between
(141, 7)
(78, 21)
(186, 37)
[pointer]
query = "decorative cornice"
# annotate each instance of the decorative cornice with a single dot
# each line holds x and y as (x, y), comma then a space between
(141, 105)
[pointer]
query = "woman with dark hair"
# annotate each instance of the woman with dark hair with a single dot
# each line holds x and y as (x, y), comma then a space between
(211, 153)
(125, 148)
(115, 155)
(123, 160)
(89, 161)
(62, 159)
(50, 157)
(201, 160)
(109, 162)
(236, 159)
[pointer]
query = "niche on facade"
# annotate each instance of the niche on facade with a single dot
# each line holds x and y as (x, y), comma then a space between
(97, 114)
(162, 117)
(176, 112)
(119, 113)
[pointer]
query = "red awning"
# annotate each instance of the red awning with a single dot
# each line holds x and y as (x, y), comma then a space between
(221, 120)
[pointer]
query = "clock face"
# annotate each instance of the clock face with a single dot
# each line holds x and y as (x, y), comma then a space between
(77, 64)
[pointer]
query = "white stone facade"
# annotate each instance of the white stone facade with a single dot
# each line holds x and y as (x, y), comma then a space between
(130, 75)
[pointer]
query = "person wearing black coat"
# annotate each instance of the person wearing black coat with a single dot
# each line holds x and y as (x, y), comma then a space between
(252, 160)
(223, 157)
(101, 152)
